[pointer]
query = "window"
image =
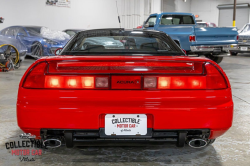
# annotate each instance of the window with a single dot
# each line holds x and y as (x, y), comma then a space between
(151, 21)
(176, 19)
(71, 33)
(107, 42)
(9, 32)
(21, 30)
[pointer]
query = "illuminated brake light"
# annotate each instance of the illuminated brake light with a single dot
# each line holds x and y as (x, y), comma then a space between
(191, 38)
(88, 82)
(72, 82)
(164, 82)
(54, 82)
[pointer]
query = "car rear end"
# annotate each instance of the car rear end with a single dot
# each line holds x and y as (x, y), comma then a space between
(85, 99)
(215, 40)
(146, 91)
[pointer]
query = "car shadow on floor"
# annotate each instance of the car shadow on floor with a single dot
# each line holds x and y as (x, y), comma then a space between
(166, 153)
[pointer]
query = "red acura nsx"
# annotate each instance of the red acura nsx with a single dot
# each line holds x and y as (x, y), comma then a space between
(116, 85)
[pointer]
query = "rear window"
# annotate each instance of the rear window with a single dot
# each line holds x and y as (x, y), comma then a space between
(121, 42)
(176, 19)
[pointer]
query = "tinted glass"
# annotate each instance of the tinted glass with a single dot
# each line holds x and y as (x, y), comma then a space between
(121, 42)
(176, 19)
(33, 29)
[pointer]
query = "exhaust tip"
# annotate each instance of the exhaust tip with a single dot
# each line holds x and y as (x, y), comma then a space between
(52, 143)
(197, 143)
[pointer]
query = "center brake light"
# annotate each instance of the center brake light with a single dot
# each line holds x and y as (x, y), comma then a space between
(212, 79)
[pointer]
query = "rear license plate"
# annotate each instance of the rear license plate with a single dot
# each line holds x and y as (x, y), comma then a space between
(243, 48)
(126, 124)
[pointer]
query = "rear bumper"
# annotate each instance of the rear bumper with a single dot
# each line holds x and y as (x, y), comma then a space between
(84, 110)
(93, 136)
(211, 48)
(240, 48)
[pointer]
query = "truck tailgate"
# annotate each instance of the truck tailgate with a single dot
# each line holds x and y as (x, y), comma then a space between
(215, 36)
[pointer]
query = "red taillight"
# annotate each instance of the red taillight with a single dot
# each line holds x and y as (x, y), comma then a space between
(76, 82)
(36, 77)
(215, 80)
(237, 37)
(182, 82)
(212, 80)
(191, 38)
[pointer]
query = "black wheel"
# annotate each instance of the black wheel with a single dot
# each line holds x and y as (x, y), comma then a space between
(37, 50)
(210, 142)
(214, 58)
(233, 53)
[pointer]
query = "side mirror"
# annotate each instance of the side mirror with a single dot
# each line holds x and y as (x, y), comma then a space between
(57, 51)
(149, 24)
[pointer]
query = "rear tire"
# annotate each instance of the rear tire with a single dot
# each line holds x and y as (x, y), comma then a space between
(37, 50)
(214, 58)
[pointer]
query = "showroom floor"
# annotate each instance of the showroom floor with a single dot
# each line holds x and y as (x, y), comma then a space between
(231, 149)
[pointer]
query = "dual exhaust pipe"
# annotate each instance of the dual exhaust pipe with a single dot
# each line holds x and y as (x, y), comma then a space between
(52, 143)
(197, 142)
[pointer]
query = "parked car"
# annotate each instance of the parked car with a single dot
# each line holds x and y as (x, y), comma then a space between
(183, 29)
(37, 45)
(14, 42)
(206, 24)
(148, 90)
(72, 32)
(244, 41)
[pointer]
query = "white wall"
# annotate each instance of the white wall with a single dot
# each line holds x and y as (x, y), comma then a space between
(168, 6)
(207, 9)
(181, 6)
(83, 14)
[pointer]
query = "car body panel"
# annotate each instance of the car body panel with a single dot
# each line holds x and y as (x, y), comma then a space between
(84, 109)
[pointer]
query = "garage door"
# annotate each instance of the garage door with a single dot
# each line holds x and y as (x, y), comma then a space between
(226, 16)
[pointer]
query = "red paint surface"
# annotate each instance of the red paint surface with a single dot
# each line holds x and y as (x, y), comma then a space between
(85, 109)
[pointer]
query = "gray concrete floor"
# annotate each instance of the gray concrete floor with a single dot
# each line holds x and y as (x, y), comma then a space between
(233, 148)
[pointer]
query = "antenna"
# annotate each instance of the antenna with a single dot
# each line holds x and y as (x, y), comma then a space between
(118, 15)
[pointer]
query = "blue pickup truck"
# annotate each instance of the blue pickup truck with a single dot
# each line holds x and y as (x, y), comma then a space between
(182, 28)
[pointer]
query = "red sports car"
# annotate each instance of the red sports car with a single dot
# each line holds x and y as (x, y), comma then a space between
(116, 85)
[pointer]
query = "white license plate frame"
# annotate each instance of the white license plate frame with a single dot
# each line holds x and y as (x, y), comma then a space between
(243, 48)
(125, 124)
